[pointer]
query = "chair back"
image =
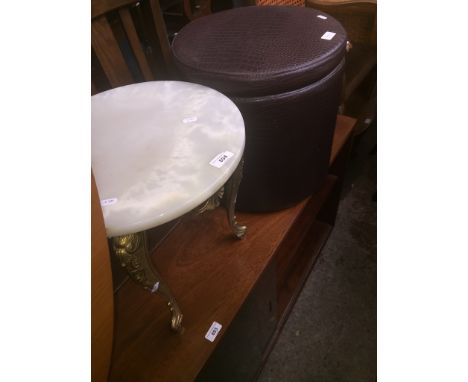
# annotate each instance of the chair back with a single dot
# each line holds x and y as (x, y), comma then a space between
(129, 43)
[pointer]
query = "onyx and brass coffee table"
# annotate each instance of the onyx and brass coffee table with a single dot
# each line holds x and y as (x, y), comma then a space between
(162, 150)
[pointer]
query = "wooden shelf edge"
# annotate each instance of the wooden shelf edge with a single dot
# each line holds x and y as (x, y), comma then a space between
(344, 129)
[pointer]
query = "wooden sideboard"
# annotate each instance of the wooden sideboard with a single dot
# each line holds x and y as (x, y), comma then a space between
(249, 286)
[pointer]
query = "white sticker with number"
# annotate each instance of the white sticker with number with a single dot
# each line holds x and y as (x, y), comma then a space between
(322, 17)
(213, 331)
(190, 119)
(219, 160)
(328, 35)
(108, 202)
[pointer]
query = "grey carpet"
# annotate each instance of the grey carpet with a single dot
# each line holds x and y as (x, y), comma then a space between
(331, 332)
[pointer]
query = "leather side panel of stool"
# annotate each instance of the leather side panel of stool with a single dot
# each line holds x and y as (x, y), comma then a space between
(288, 143)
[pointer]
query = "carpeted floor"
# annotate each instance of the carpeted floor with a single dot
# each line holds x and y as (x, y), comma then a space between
(331, 332)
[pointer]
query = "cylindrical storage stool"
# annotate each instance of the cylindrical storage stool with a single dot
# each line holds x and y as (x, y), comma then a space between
(282, 67)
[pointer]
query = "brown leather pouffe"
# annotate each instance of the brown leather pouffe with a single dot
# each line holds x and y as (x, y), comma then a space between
(283, 67)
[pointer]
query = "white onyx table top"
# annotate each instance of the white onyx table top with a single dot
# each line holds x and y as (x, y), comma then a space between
(152, 144)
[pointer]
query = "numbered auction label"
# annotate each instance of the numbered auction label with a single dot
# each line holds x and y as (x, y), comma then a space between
(213, 331)
(328, 35)
(108, 202)
(219, 160)
(190, 119)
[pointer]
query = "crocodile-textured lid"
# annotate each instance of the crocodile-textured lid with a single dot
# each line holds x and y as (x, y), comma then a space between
(259, 50)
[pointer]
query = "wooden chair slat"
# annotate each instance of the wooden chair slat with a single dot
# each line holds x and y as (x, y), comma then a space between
(108, 52)
(100, 7)
(135, 43)
(161, 32)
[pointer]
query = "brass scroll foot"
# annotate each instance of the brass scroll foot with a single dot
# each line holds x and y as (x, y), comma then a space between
(231, 189)
(132, 252)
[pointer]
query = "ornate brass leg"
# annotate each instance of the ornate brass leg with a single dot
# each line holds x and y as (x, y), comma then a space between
(212, 203)
(132, 252)
(231, 188)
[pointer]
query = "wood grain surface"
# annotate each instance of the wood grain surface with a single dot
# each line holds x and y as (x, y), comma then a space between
(127, 37)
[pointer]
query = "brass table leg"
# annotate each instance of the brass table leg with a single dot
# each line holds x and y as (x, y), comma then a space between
(212, 203)
(229, 192)
(132, 252)
(231, 189)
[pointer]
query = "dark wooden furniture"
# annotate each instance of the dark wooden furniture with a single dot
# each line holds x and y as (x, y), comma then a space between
(248, 286)
(129, 43)
(359, 18)
(196, 8)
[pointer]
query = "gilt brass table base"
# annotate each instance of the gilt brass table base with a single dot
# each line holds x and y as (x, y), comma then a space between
(229, 192)
(132, 252)
(132, 249)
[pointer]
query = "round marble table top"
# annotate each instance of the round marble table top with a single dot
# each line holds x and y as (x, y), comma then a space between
(160, 149)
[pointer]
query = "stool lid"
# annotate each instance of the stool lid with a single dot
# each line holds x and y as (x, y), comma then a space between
(260, 50)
